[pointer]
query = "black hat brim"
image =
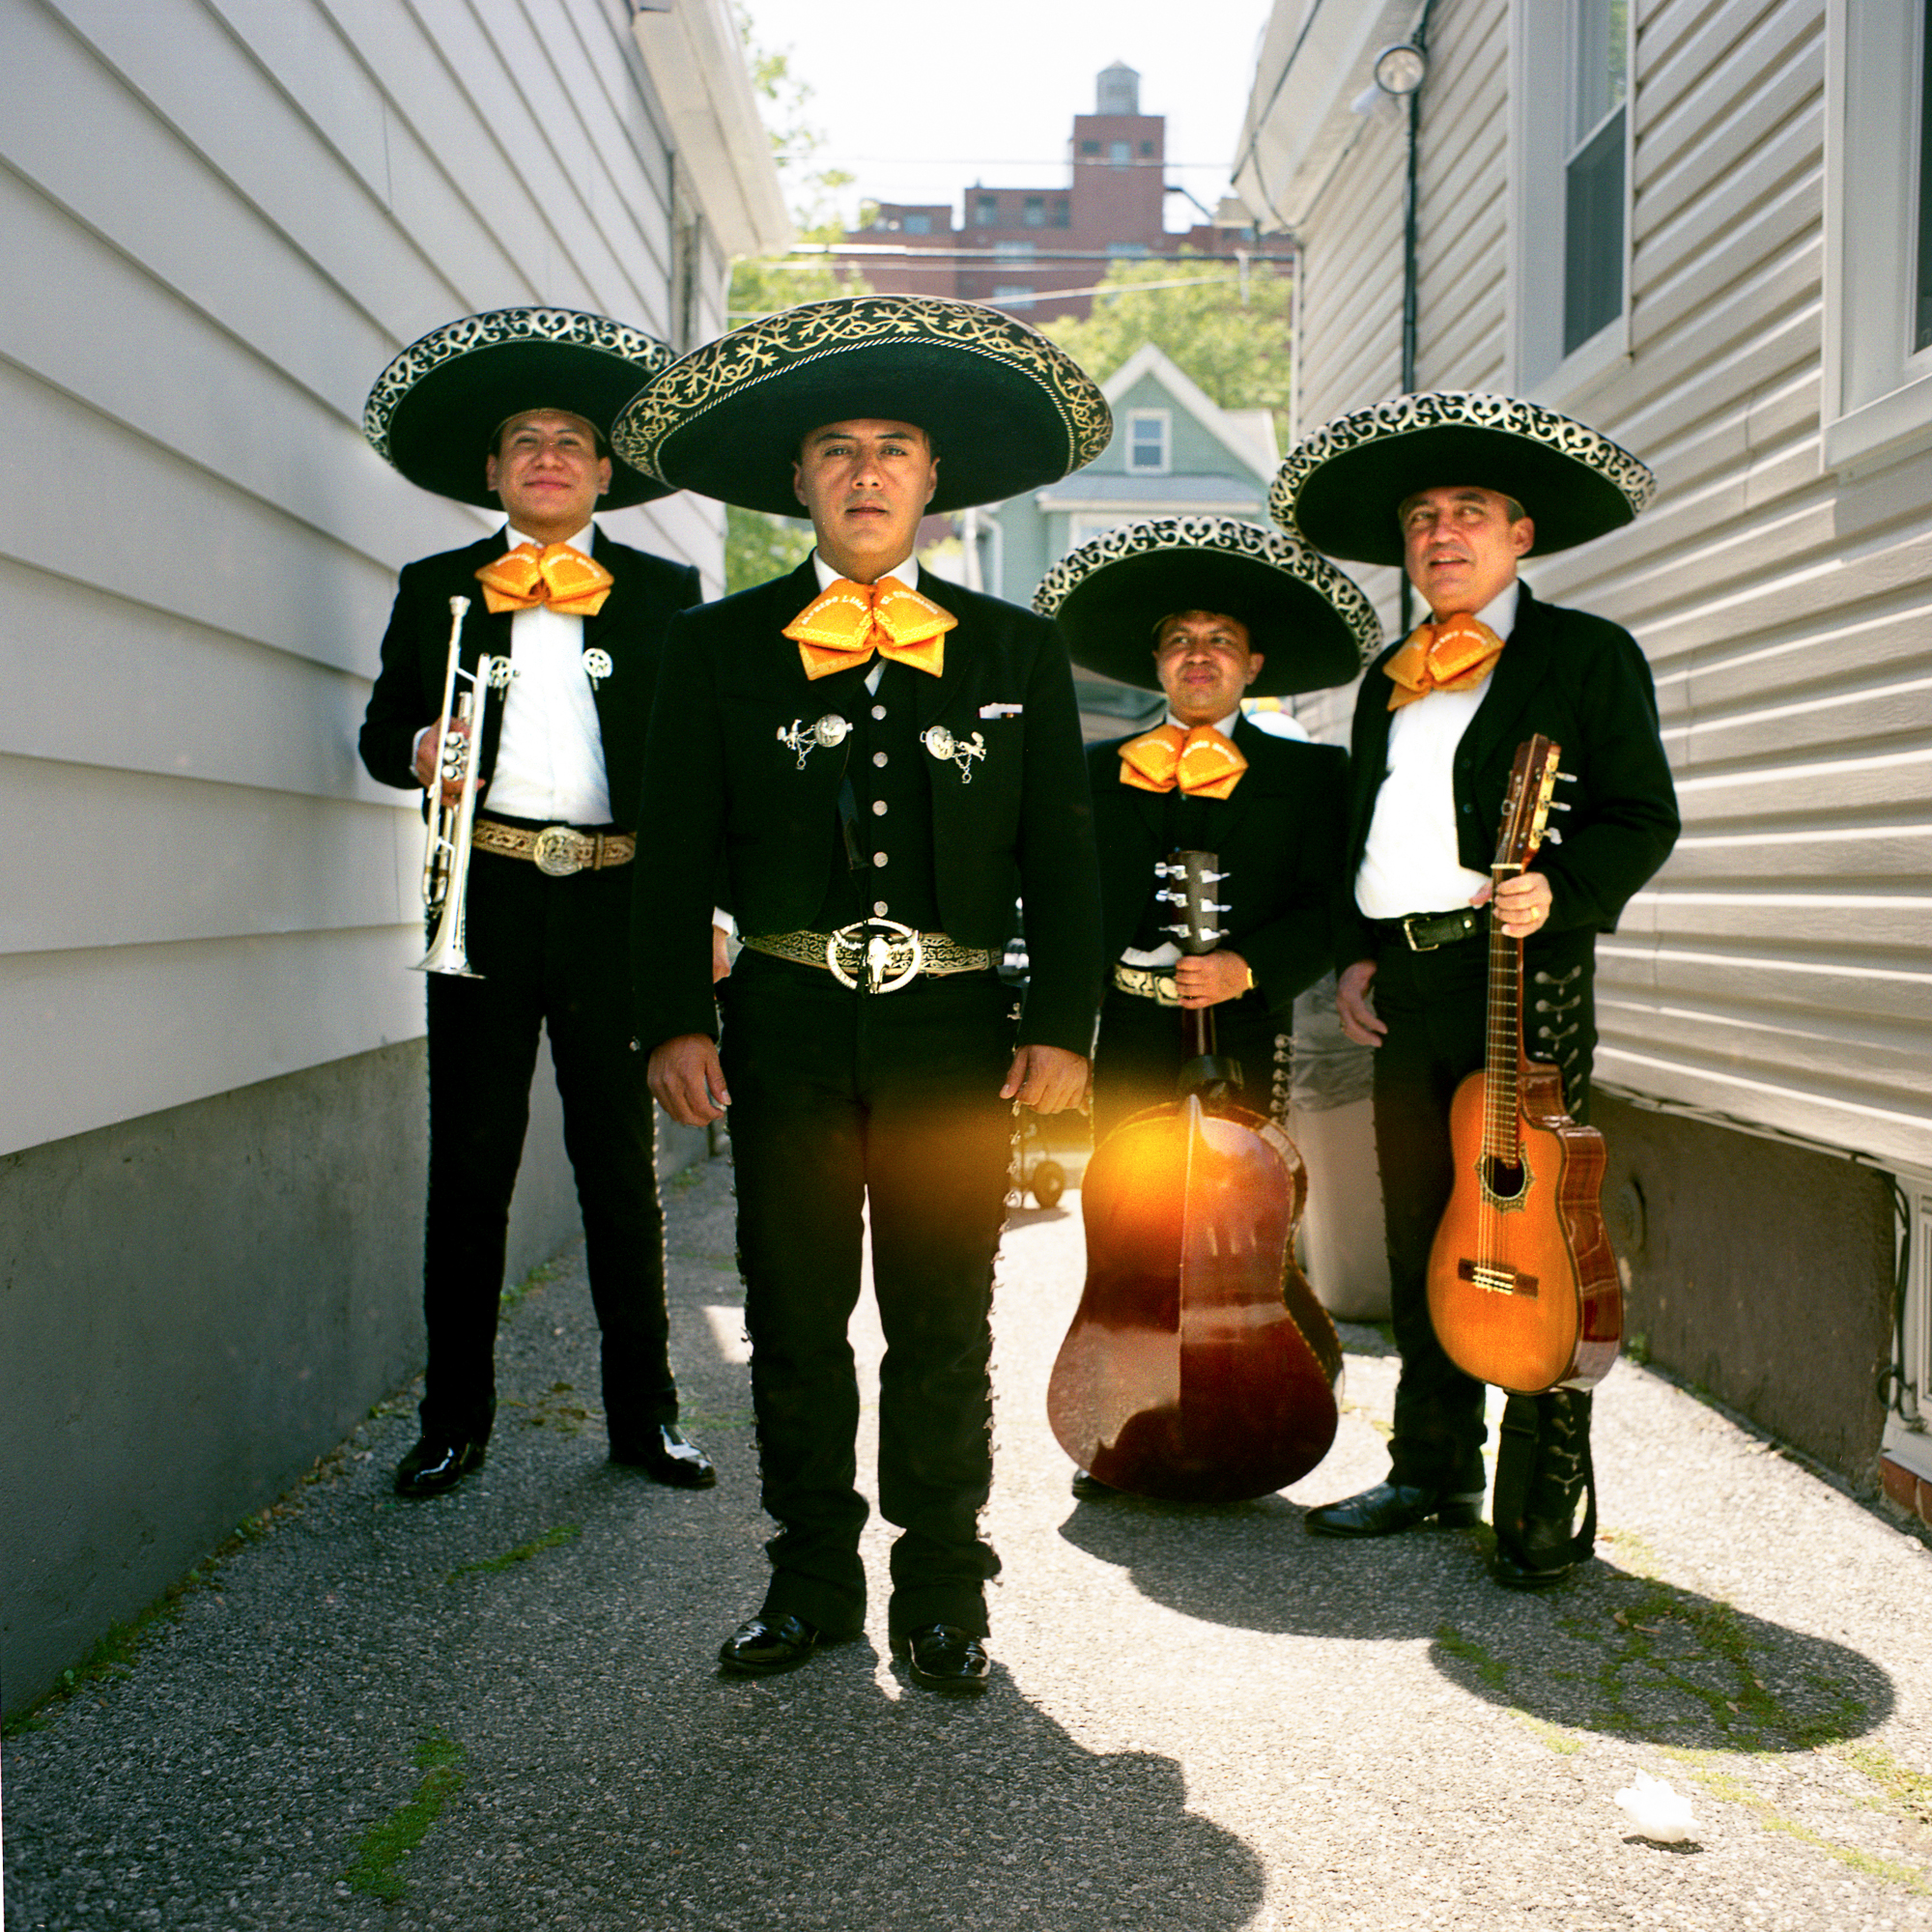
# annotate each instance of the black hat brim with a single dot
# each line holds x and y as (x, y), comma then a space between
(1313, 627)
(1341, 488)
(435, 411)
(1005, 409)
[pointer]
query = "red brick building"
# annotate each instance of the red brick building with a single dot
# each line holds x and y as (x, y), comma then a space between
(1015, 245)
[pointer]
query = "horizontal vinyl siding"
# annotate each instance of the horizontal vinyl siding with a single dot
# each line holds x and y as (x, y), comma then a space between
(237, 212)
(1777, 969)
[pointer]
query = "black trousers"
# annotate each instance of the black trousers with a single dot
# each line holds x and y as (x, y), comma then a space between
(1434, 1005)
(1139, 1054)
(554, 953)
(843, 1102)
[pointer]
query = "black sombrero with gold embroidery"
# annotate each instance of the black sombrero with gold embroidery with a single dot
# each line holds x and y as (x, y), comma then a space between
(1309, 622)
(1340, 488)
(435, 409)
(1006, 410)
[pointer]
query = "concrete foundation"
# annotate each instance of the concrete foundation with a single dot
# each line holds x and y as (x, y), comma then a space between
(193, 1306)
(1757, 1272)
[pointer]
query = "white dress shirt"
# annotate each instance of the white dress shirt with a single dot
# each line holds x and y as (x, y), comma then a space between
(549, 759)
(1412, 863)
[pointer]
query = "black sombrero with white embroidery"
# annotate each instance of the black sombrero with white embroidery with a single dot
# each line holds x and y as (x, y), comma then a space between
(1006, 410)
(435, 409)
(1309, 622)
(1340, 488)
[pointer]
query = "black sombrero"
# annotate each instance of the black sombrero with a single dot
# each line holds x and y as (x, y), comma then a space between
(434, 408)
(1313, 626)
(1340, 488)
(1007, 409)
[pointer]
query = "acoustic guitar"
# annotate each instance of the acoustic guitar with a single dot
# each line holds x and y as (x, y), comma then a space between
(1522, 1284)
(1199, 1366)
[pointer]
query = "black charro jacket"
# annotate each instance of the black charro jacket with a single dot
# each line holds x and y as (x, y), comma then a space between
(1583, 682)
(1278, 838)
(741, 819)
(645, 593)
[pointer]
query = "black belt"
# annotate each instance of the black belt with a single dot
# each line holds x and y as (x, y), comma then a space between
(1425, 931)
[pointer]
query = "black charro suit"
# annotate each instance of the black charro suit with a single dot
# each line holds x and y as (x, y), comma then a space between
(554, 954)
(845, 1104)
(1278, 837)
(1583, 683)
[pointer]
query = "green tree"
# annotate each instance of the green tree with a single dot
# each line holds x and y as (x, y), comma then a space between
(758, 547)
(1235, 338)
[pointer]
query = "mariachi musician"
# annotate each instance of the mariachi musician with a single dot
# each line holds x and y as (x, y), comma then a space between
(1456, 489)
(1208, 611)
(883, 763)
(513, 408)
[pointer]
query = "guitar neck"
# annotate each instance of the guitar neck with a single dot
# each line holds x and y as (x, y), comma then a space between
(1502, 1052)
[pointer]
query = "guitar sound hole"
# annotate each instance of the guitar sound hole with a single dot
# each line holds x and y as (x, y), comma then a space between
(1503, 1179)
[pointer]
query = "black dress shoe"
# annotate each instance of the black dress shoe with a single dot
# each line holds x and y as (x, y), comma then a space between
(945, 1658)
(1089, 1488)
(437, 1464)
(763, 1646)
(1390, 1507)
(1516, 1572)
(665, 1457)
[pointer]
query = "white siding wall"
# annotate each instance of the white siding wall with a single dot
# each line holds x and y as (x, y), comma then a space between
(1777, 969)
(224, 216)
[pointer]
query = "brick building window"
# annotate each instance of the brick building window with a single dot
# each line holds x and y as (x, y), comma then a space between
(1063, 213)
(986, 211)
(1033, 212)
(1120, 153)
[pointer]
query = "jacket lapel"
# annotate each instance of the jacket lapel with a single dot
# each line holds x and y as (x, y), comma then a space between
(1520, 670)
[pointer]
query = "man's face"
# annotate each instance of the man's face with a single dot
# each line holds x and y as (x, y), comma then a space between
(1459, 547)
(546, 473)
(1204, 664)
(866, 485)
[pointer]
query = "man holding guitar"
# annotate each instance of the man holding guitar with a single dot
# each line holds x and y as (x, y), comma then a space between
(1456, 489)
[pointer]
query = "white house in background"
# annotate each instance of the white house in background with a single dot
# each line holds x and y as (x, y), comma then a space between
(212, 1106)
(1708, 231)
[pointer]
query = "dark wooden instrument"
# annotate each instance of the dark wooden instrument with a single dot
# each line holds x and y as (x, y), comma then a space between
(1198, 1367)
(1522, 1285)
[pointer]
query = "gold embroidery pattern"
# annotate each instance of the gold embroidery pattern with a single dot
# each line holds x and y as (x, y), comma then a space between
(489, 330)
(1227, 537)
(1461, 408)
(760, 350)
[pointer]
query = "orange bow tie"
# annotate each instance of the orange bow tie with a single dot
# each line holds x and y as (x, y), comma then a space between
(846, 624)
(1454, 655)
(571, 584)
(1202, 762)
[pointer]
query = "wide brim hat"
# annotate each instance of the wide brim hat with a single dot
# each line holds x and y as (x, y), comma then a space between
(1313, 626)
(435, 410)
(1339, 489)
(1005, 408)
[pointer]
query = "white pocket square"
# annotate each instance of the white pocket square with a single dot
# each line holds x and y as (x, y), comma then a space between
(1001, 710)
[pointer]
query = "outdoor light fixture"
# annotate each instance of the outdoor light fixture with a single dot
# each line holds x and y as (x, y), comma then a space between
(1401, 69)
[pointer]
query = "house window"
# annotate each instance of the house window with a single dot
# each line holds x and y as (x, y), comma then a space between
(1593, 169)
(1033, 212)
(1147, 149)
(919, 224)
(1147, 441)
(1090, 147)
(1570, 113)
(1878, 233)
(1120, 153)
(1063, 213)
(986, 211)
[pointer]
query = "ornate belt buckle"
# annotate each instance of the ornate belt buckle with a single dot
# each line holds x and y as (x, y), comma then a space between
(889, 953)
(561, 850)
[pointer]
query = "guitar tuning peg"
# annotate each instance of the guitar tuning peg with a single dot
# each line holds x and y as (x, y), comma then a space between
(1557, 804)
(1566, 778)
(1552, 837)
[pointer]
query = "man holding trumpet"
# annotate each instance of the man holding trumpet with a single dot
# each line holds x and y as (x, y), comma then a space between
(533, 878)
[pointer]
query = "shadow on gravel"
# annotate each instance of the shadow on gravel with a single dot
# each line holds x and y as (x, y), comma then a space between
(1611, 1650)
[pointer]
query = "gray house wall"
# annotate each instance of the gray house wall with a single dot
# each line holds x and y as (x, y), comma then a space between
(1775, 973)
(212, 1121)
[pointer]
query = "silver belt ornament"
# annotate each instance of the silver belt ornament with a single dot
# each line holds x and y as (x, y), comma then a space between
(829, 731)
(561, 850)
(891, 955)
(942, 744)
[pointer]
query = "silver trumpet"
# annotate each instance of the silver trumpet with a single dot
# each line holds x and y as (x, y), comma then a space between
(446, 872)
